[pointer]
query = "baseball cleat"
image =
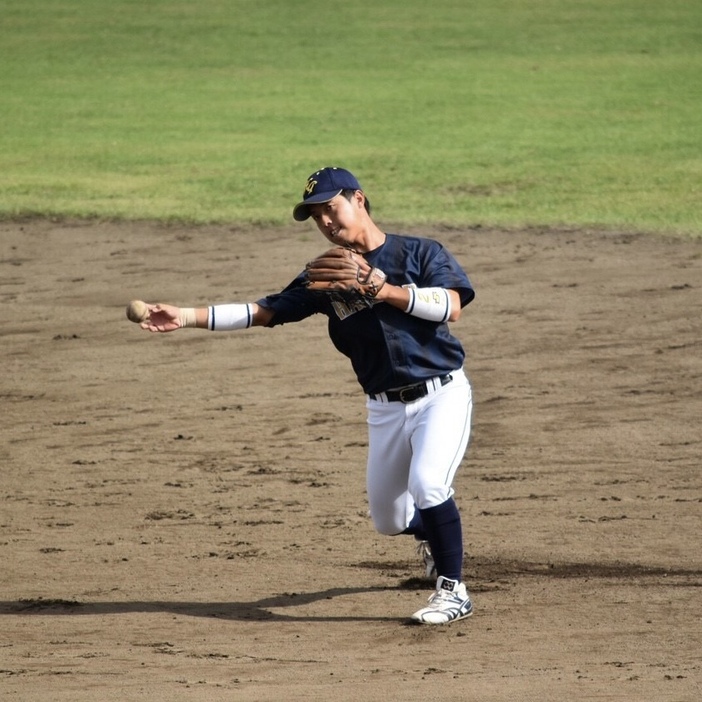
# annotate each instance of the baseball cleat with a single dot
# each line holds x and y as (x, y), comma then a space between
(424, 552)
(449, 603)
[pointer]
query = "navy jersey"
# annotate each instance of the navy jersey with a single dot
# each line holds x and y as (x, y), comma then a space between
(388, 348)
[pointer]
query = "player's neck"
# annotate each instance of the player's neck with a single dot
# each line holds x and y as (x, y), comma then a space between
(371, 237)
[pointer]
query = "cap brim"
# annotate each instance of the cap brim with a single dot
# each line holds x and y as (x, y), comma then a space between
(301, 211)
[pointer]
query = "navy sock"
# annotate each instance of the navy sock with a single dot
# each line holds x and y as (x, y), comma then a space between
(442, 525)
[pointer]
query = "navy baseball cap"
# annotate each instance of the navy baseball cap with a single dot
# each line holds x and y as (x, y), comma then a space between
(322, 186)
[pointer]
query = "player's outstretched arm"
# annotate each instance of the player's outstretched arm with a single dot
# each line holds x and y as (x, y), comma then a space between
(162, 317)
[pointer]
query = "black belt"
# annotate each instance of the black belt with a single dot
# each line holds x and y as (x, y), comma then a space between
(411, 393)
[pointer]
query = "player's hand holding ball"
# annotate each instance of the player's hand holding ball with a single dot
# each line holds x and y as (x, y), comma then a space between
(155, 318)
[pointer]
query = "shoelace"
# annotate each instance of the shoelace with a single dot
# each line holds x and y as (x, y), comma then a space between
(423, 549)
(440, 596)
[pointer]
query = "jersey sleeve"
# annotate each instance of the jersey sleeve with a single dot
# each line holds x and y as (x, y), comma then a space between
(444, 271)
(426, 263)
(292, 304)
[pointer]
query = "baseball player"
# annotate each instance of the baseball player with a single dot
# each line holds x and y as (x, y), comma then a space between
(388, 299)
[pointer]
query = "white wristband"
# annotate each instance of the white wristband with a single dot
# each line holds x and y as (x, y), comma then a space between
(432, 304)
(229, 317)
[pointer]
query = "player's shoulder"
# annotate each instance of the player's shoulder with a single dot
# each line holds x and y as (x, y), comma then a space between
(412, 242)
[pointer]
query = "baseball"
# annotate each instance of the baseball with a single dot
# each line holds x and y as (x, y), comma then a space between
(137, 311)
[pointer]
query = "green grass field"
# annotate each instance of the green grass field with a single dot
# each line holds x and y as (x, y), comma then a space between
(508, 112)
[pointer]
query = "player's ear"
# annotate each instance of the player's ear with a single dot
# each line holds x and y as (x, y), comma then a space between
(359, 199)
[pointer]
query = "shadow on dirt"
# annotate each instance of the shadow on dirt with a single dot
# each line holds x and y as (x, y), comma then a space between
(241, 611)
(604, 571)
(484, 576)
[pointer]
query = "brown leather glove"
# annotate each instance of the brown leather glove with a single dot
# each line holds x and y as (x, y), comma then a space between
(346, 272)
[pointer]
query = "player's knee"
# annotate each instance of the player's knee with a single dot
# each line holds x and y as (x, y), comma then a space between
(386, 524)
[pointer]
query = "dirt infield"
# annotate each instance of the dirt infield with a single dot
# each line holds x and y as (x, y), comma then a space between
(183, 516)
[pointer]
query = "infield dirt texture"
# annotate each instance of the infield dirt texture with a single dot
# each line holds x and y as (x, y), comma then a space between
(184, 518)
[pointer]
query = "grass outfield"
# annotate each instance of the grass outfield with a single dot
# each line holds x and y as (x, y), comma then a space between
(508, 112)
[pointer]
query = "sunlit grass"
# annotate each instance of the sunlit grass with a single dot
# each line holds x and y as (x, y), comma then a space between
(510, 112)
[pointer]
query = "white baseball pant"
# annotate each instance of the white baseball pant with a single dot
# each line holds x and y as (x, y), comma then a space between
(414, 452)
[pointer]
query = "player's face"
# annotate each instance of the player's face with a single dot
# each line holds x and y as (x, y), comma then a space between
(339, 219)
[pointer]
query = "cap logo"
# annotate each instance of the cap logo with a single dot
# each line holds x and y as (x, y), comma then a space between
(309, 188)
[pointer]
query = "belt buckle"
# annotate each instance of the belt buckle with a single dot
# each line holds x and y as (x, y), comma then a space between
(412, 393)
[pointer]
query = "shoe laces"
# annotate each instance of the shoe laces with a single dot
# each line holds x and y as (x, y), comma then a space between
(423, 550)
(441, 596)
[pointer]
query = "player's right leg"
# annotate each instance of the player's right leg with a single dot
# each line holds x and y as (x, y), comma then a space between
(387, 471)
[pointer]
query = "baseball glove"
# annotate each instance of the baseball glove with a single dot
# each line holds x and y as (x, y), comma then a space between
(344, 272)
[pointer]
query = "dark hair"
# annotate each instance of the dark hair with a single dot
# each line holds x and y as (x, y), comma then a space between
(348, 194)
